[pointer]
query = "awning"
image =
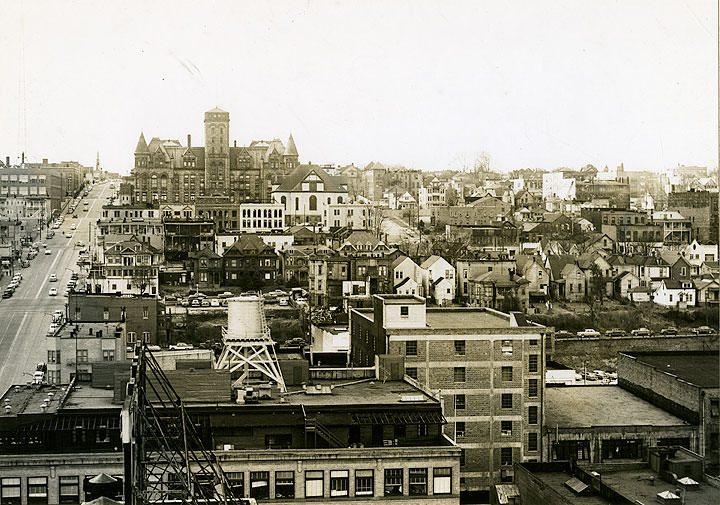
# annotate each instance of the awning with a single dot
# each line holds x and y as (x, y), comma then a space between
(410, 417)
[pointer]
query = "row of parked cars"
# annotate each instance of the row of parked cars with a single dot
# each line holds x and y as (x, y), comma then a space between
(221, 300)
(638, 332)
(12, 286)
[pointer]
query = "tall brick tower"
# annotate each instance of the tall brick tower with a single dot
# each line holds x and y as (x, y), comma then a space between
(217, 151)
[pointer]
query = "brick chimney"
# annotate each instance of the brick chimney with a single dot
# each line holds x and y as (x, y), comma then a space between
(189, 141)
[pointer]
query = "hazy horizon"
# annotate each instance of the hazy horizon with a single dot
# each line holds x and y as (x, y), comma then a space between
(424, 84)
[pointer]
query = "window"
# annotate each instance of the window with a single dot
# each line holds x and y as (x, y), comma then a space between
(506, 400)
(313, 202)
(533, 363)
(532, 442)
(411, 372)
(532, 414)
(339, 482)
(364, 483)
(260, 485)
(422, 430)
(533, 342)
(442, 480)
(37, 490)
(69, 489)
(507, 374)
(109, 355)
(106, 310)
(411, 348)
(460, 348)
(506, 456)
(404, 311)
(284, 484)
(506, 428)
(313, 483)
(54, 356)
(393, 482)
(459, 429)
(533, 388)
(459, 374)
(714, 408)
(507, 347)
(146, 313)
(459, 402)
(418, 482)
(81, 356)
(10, 491)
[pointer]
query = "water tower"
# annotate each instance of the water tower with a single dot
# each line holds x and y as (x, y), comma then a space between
(247, 343)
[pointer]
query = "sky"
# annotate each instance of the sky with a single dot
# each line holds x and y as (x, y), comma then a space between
(425, 84)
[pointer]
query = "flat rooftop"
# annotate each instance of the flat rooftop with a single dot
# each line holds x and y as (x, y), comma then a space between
(556, 481)
(352, 392)
(635, 485)
(84, 329)
(700, 368)
(465, 318)
(24, 399)
(585, 406)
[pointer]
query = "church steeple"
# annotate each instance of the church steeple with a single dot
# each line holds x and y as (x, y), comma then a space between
(291, 150)
(142, 147)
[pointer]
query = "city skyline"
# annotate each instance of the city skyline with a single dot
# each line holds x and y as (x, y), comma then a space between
(426, 85)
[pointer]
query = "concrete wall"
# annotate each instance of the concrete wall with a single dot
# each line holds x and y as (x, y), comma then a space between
(602, 353)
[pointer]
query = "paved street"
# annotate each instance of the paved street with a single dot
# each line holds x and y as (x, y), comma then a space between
(24, 318)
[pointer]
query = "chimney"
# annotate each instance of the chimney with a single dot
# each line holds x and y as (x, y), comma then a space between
(234, 143)
(45, 161)
(23, 158)
(7, 161)
(189, 142)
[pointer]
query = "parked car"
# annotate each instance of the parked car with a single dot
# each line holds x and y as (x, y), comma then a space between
(669, 331)
(74, 276)
(8, 293)
(52, 278)
(48, 252)
(68, 235)
(283, 301)
(641, 332)
(53, 292)
(615, 332)
(214, 302)
(704, 330)
(79, 243)
(205, 302)
(195, 302)
(588, 332)
(181, 346)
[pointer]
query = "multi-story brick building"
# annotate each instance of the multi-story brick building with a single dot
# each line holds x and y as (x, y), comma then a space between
(144, 316)
(169, 172)
(183, 236)
(74, 347)
(487, 365)
(701, 208)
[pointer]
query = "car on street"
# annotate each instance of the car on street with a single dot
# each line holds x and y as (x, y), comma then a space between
(48, 252)
(53, 292)
(52, 278)
(671, 330)
(79, 243)
(68, 235)
(588, 332)
(641, 332)
(74, 276)
(704, 330)
(181, 346)
(615, 332)
(73, 226)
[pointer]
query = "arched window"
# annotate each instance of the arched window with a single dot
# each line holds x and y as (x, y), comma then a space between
(297, 203)
(283, 200)
(313, 202)
(340, 199)
(328, 200)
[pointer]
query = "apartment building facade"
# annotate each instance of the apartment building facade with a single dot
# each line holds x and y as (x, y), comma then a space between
(488, 367)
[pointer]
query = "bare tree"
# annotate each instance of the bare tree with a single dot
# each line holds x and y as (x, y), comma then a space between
(141, 277)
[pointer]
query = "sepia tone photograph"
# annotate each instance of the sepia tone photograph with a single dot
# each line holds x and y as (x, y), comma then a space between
(420, 252)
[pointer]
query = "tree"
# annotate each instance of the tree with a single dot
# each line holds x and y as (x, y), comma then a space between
(482, 163)
(377, 218)
(141, 277)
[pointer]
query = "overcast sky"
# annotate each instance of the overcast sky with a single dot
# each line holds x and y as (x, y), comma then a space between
(426, 84)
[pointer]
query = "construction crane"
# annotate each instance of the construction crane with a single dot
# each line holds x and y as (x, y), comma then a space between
(165, 459)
